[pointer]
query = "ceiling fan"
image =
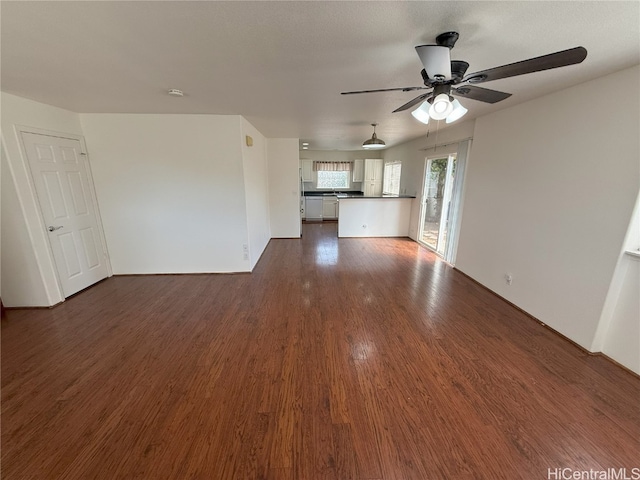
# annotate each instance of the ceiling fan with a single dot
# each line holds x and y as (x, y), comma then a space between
(445, 78)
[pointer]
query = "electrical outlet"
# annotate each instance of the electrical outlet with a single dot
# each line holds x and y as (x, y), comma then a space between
(245, 248)
(508, 278)
(364, 226)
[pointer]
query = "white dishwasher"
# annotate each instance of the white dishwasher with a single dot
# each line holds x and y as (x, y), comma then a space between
(313, 208)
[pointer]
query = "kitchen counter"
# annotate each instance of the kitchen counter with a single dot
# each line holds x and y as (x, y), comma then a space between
(375, 196)
(342, 194)
(353, 194)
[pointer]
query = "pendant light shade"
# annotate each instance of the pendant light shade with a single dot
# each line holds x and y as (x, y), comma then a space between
(441, 107)
(457, 113)
(422, 112)
(374, 142)
(445, 109)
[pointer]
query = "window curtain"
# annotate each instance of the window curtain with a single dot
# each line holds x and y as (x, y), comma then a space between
(332, 166)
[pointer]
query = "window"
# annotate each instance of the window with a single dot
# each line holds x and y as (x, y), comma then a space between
(391, 184)
(333, 174)
(332, 179)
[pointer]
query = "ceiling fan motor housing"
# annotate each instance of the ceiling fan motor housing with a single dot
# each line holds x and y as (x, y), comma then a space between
(444, 88)
(458, 69)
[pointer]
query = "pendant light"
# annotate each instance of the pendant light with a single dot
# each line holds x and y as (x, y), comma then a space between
(374, 142)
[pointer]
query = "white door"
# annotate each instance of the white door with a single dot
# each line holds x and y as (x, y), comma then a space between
(60, 174)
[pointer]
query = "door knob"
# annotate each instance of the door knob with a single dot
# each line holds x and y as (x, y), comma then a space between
(53, 229)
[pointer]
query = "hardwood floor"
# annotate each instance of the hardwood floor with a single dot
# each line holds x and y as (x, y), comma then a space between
(335, 359)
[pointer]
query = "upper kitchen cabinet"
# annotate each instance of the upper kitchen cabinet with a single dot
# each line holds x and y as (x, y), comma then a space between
(358, 170)
(307, 170)
(373, 170)
(372, 183)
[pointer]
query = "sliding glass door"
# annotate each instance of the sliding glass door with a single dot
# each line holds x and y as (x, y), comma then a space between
(436, 202)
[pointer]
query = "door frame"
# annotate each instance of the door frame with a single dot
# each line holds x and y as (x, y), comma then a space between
(462, 152)
(57, 296)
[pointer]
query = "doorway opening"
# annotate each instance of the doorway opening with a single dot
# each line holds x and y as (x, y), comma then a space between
(441, 201)
(436, 201)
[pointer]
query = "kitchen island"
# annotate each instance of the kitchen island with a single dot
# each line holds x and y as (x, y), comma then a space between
(379, 216)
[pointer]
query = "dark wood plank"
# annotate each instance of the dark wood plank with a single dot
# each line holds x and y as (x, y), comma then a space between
(335, 359)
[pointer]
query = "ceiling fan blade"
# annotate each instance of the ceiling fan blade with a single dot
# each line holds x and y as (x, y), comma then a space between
(537, 64)
(413, 102)
(436, 60)
(481, 94)
(401, 89)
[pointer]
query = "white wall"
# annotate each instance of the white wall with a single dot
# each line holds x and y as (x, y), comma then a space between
(177, 193)
(170, 190)
(28, 273)
(374, 217)
(19, 267)
(618, 333)
(412, 155)
(3, 166)
(622, 341)
(284, 187)
(550, 188)
(256, 190)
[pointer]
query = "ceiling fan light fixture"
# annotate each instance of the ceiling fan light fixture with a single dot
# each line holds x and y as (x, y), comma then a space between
(441, 107)
(374, 142)
(422, 112)
(458, 111)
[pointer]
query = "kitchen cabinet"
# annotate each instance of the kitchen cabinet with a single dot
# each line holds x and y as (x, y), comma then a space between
(330, 207)
(307, 170)
(372, 183)
(358, 170)
(373, 170)
(372, 189)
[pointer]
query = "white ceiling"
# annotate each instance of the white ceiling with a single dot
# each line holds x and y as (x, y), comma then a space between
(282, 65)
